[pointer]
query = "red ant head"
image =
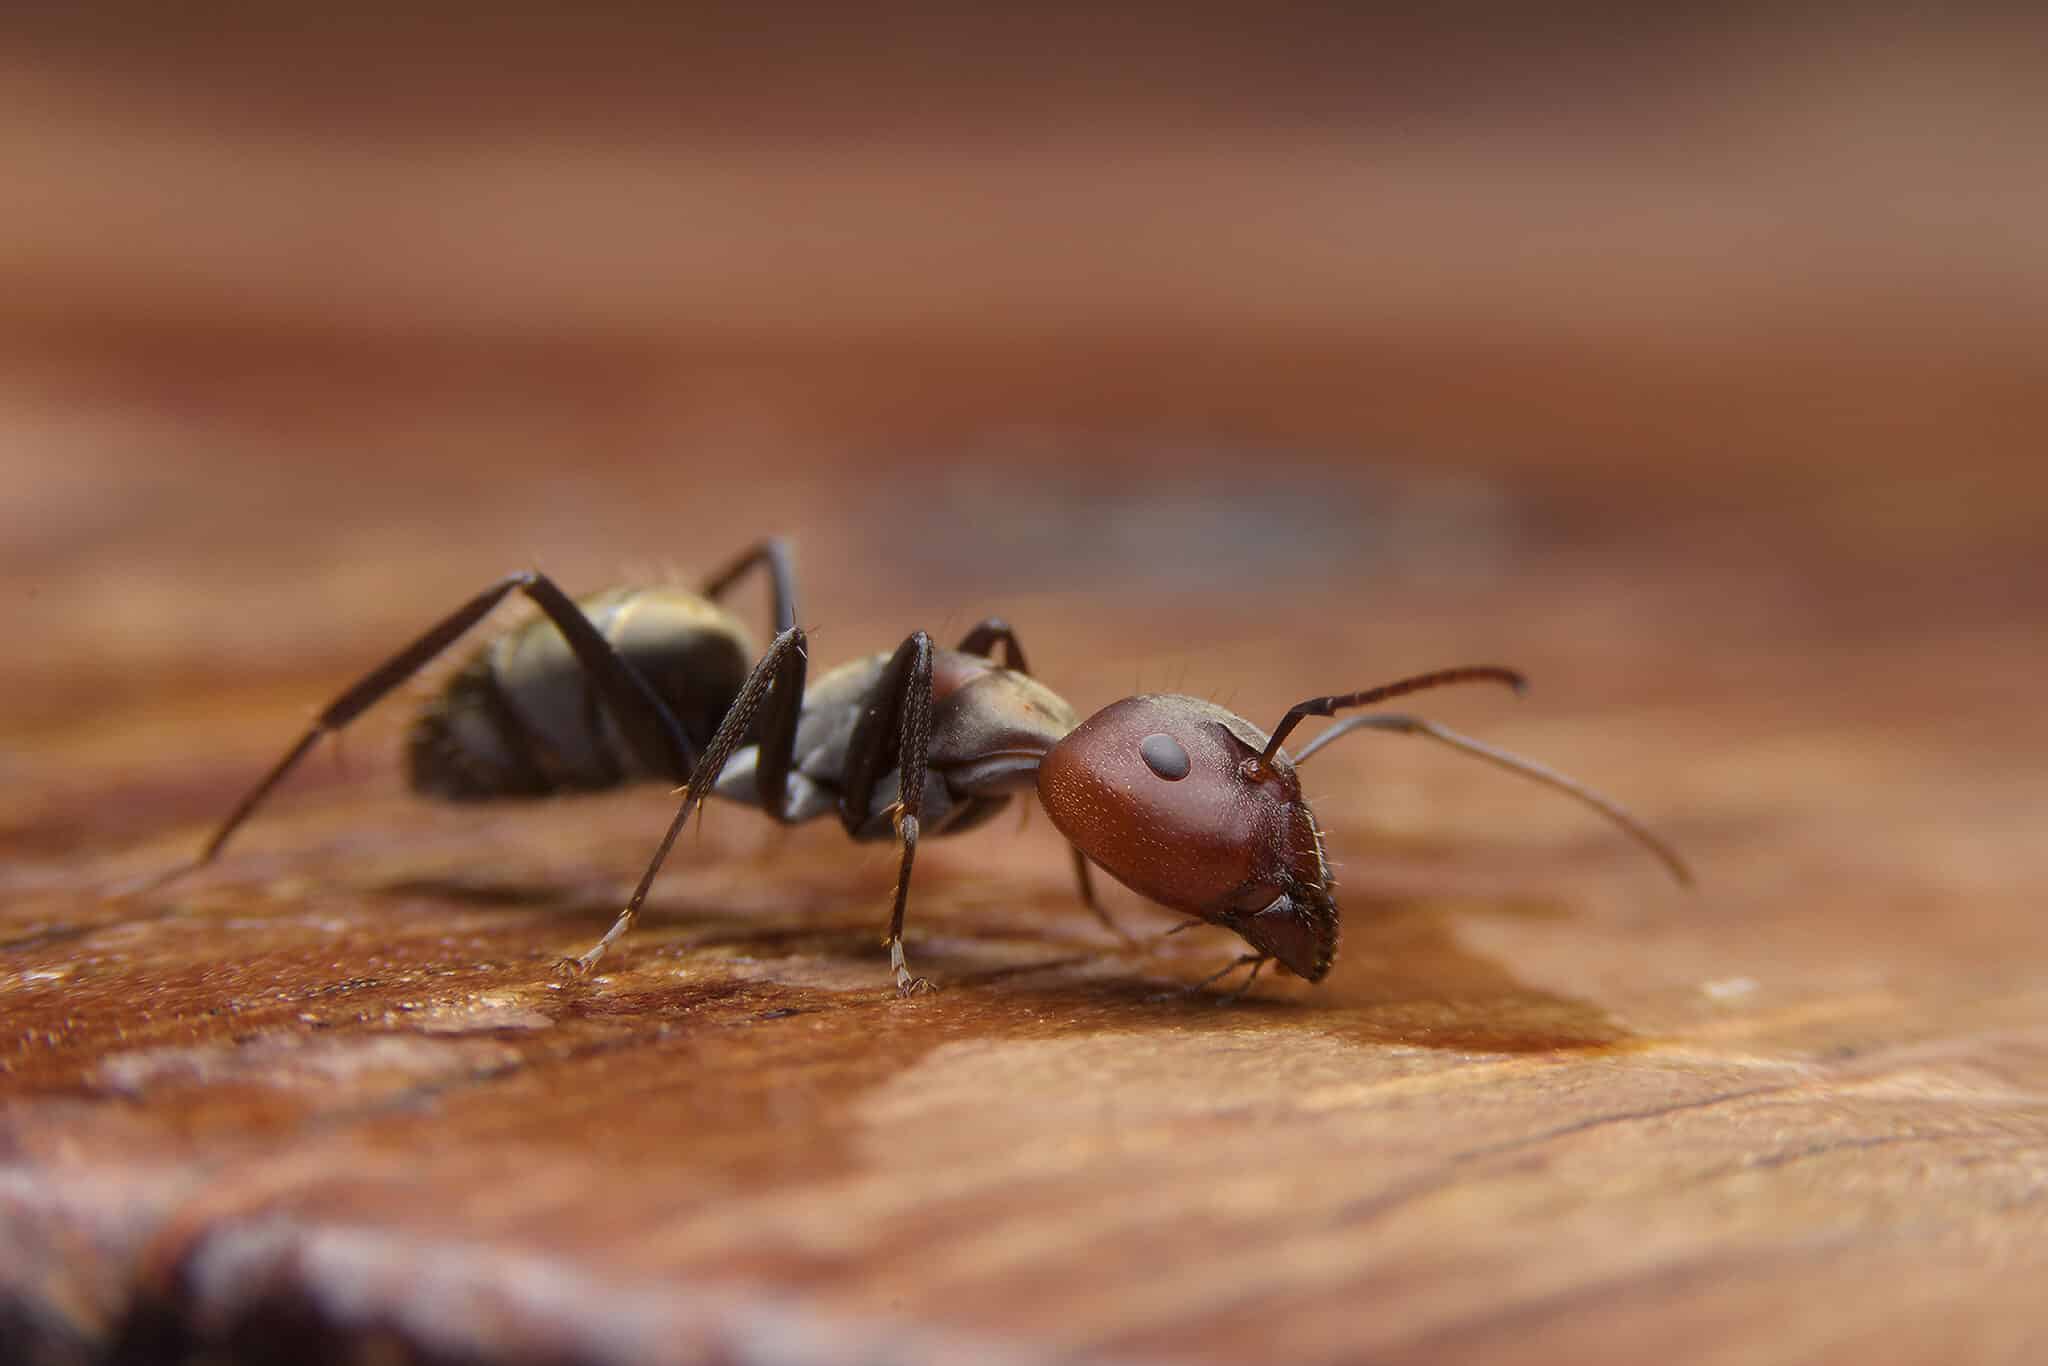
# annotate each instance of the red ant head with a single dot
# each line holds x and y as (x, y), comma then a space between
(1170, 796)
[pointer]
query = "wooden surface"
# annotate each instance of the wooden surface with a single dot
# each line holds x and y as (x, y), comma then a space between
(1771, 555)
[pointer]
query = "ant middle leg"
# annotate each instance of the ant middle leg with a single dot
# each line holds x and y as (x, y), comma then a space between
(774, 691)
(898, 718)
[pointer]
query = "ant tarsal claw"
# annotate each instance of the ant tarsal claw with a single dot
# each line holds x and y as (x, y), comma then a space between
(906, 985)
(584, 963)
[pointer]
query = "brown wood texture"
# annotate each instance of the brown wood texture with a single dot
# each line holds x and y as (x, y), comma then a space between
(1768, 543)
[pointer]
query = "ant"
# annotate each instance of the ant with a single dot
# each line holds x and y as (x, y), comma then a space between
(1177, 798)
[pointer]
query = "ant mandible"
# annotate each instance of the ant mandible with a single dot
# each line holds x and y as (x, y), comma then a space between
(1177, 798)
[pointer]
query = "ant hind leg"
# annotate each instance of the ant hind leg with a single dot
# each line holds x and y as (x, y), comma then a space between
(640, 713)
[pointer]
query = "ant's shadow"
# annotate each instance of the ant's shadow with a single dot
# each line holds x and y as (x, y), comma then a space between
(572, 902)
(1403, 976)
(1407, 977)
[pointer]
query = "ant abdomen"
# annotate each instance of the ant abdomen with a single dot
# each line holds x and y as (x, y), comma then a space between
(522, 718)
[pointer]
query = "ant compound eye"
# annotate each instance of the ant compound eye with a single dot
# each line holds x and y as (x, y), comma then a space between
(1164, 756)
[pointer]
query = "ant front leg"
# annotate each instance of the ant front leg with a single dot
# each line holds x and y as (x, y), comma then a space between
(1257, 960)
(1086, 881)
(639, 712)
(982, 640)
(898, 717)
(774, 692)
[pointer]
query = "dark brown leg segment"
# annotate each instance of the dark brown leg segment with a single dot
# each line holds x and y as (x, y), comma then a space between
(773, 555)
(983, 639)
(1257, 960)
(774, 691)
(1086, 880)
(896, 721)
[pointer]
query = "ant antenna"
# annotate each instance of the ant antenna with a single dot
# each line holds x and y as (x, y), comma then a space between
(1330, 706)
(1514, 763)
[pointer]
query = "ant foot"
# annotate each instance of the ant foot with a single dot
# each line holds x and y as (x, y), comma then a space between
(580, 967)
(906, 985)
(577, 968)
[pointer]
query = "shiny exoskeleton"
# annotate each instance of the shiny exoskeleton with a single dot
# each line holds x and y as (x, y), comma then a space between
(1170, 797)
(595, 692)
(1196, 808)
(1178, 798)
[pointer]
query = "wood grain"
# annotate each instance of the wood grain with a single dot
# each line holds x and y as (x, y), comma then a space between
(1779, 588)
(330, 1093)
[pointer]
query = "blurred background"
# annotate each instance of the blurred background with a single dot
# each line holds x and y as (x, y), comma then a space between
(1628, 342)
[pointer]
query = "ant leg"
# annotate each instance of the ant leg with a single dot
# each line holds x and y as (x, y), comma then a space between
(984, 637)
(906, 985)
(899, 709)
(772, 554)
(1151, 942)
(1257, 960)
(1088, 899)
(641, 715)
(1233, 997)
(981, 641)
(775, 691)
